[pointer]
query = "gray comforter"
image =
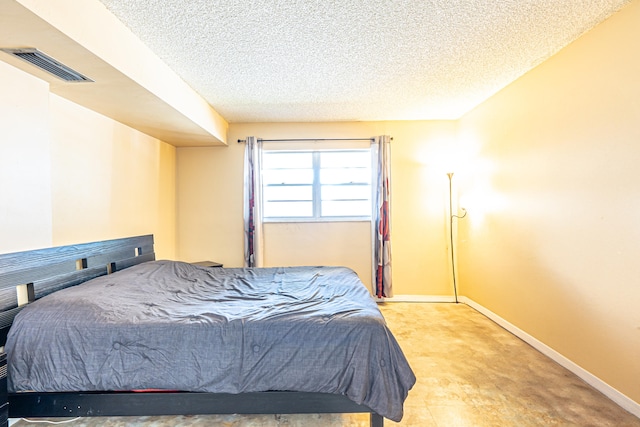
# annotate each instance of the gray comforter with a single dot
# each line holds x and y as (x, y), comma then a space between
(172, 325)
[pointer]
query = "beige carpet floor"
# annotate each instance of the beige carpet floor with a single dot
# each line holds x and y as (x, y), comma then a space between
(470, 372)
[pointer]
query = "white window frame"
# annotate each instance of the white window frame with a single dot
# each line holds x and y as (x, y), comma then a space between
(317, 188)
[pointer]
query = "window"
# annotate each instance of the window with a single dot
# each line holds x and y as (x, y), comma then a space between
(316, 185)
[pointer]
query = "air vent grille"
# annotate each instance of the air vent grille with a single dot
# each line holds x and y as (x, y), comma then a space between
(48, 64)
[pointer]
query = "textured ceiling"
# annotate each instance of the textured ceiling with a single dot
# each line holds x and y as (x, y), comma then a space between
(315, 60)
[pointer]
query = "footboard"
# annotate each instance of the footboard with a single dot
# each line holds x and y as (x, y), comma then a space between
(181, 403)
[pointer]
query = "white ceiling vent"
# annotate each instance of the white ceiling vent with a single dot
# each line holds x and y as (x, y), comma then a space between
(48, 64)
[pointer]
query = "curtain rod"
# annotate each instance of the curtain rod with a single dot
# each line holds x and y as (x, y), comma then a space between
(309, 139)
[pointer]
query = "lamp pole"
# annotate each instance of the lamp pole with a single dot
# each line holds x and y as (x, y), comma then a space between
(451, 216)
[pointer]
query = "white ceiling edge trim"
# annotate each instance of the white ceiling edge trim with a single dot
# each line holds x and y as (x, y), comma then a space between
(154, 99)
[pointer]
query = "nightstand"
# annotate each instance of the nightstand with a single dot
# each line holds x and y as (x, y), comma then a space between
(207, 264)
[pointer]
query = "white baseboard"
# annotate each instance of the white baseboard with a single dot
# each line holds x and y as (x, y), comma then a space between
(417, 298)
(621, 399)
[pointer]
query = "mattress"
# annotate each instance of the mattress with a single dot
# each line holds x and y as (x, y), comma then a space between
(175, 326)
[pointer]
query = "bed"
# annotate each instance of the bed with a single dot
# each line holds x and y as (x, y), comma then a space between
(128, 335)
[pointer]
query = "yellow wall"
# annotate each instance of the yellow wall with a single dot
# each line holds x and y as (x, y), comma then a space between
(210, 206)
(70, 175)
(328, 243)
(554, 250)
(109, 180)
(25, 183)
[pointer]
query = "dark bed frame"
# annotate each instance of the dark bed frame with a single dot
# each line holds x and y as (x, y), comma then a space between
(41, 272)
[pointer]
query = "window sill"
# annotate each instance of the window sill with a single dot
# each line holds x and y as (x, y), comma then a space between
(332, 219)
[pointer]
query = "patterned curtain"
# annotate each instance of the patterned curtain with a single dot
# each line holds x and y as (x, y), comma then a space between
(252, 203)
(381, 148)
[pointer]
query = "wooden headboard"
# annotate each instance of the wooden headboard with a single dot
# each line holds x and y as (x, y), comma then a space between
(34, 274)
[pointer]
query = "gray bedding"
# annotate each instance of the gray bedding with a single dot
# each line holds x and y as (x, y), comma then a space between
(174, 326)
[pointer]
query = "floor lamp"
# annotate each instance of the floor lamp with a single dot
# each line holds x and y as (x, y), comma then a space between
(451, 217)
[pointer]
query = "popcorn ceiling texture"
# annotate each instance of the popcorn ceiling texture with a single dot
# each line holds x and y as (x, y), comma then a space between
(338, 60)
